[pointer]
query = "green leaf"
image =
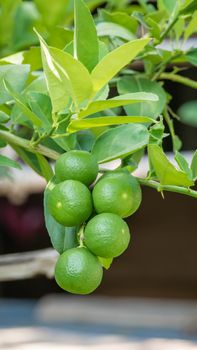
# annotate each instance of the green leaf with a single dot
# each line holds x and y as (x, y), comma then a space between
(194, 166)
(192, 56)
(66, 77)
(117, 101)
(40, 104)
(120, 142)
(52, 12)
(35, 161)
(62, 238)
(121, 18)
(46, 169)
(89, 123)
(105, 262)
(183, 164)
(7, 162)
(16, 76)
(21, 104)
(31, 57)
(86, 45)
(187, 113)
(4, 118)
(189, 8)
(151, 108)
(165, 171)
(114, 61)
(192, 27)
(113, 30)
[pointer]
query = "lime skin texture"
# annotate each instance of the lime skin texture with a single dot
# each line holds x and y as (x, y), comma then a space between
(117, 193)
(107, 235)
(70, 203)
(78, 271)
(77, 165)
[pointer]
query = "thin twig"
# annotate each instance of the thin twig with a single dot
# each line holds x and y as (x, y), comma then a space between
(161, 188)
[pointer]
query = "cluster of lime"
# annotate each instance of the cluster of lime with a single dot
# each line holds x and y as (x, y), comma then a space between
(105, 234)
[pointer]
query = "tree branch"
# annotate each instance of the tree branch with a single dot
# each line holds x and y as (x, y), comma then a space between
(178, 79)
(160, 188)
(27, 265)
(24, 143)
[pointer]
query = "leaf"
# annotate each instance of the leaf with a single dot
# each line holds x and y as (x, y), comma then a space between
(165, 171)
(40, 104)
(114, 61)
(46, 169)
(89, 123)
(35, 161)
(21, 104)
(31, 57)
(86, 45)
(194, 166)
(187, 113)
(192, 26)
(62, 238)
(4, 118)
(189, 8)
(113, 29)
(120, 142)
(183, 164)
(151, 108)
(7, 162)
(117, 101)
(121, 18)
(192, 56)
(52, 12)
(105, 262)
(16, 76)
(66, 77)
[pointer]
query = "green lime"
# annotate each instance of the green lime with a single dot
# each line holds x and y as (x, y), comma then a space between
(117, 193)
(70, 203)
(107, 235)
(77, 165)
(78, 271)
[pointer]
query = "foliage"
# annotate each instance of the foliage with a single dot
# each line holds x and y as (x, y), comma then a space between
(97, 85)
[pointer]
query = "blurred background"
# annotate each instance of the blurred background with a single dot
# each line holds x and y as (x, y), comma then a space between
(148, 298)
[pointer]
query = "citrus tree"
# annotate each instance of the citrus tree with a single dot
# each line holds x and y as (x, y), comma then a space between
(88, 94)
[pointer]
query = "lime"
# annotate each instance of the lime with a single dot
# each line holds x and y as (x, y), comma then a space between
(77, 165)
(117, 193)
(78, 271)
(70, 203)
(107, 235)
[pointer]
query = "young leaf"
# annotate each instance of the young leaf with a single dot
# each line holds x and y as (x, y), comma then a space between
(113, 30)
(191, 28)
(62, 238)
(194, 166)
(16, 76)
(41, 105)
(86, 45)
(120, 142)
(21, 104)
(105, 262)
(117, 101)
(183, 164)
(66, 77)
(114, 61)
(89, 123)
(7, 162)
(151, 108)
(166, 173)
